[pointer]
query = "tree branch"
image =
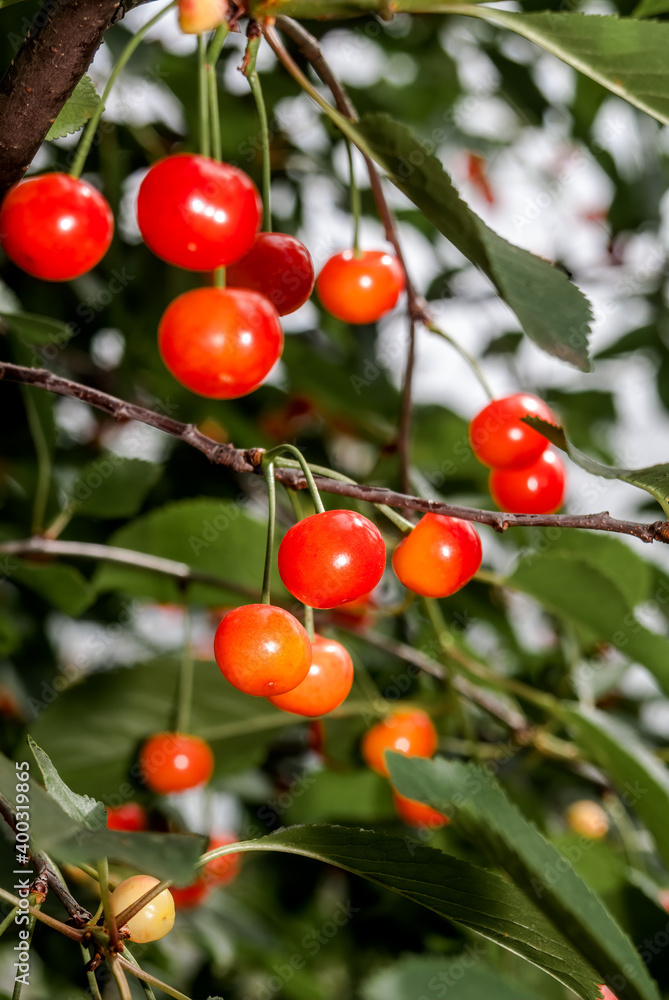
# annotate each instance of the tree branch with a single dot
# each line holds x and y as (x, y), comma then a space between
(249, 460)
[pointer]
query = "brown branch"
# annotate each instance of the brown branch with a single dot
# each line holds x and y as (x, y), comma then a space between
(248, 460)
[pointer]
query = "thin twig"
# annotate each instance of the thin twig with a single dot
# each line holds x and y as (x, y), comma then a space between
(117, 971)
(141, 974)
(57, 925)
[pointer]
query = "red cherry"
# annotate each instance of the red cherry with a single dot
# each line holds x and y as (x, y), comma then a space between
(130, 816)
(220, 342)
(410, 733)
(663, 899)
(327, 684)
(197, 213)
(278, 266)
(537, 489)
(415, 813)
(501, 440)
(331, 558)
(607, 994)
(360, 287)
(55, 227)
(223, 870)
(439, 556)
(174, 762)
(262, 650)
(190, 896)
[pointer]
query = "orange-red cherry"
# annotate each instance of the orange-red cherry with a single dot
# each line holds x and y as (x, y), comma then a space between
(197, 213)
(411, 733)
(55, 227)
(331, 558)
(130, 816)
(360, 287)
(190, 896)
(537, 489)
(221, 871)
(220, 342)
(501, 440)
(327, 684)
(278, 266)
(415, 813)
(607, 994)
(439, 556)
(174, 762)
(262, 650)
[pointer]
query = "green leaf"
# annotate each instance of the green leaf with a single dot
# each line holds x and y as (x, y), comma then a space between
(97, 755)
(579, 591)
(481, 810)
(458, 890)
(642, 779)
(61, 586)
(654, 479)
(163, 855)
(651, 8)
(81, 808)
(465, 977)
(37, 330)
(553, 312)
(112, 486)
(76, 111)
(625, 55)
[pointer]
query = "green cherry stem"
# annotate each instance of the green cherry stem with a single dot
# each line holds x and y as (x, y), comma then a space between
(89, 132)
(271, 518)
(214, 115)
(355, 198)
(203, 95)
(217, 43)
(304, 466)
(18, 982)
(309, 622)
(471, 361)
(93, 987)
(105, 895)
(186, 676)
(9, 919)
(251, 74)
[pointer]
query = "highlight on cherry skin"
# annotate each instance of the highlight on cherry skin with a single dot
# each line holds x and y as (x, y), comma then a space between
(278, 266)
(262, 650)
(220, 342)
(175, 762)
(439, 556)
(360, 286)
(411, 733)
(536, 489)
(501, 440)
(331, 558)
(55, 227)
(155, 919)
(197, 213)
(327, 684)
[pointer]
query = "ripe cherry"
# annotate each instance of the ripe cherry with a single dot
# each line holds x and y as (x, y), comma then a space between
(331, 558)
(663, 899)
(130, 816)
(410, 733)
(221, 871)
(190, 896)
(155, 919)
(197, 213)
(55, 227)
(262, 650)
(197, 16)
(220, 342)
(279, 267)
(327, 684)
(174, 762)
(415, 813)
(439, 556)
(607, 994)
(588, 818)
(499, 437)
(537, 489)
(360, 287)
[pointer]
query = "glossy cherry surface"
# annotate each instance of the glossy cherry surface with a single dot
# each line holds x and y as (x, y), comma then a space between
(411, 733)
(130, 816)
(331, 558)
(439, 556)
(174, 762)
(362, 287)
(415, 813)
(326, 685)
(262, 650)
(279, 267)
(55, 227)
(220, 342)
(221, 871)
(537, 489)
(501, 440)
(155, 919)
(197, 213)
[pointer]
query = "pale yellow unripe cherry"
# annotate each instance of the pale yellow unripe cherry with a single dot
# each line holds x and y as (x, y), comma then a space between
(196, 16)
(588, 818)
(154, 920)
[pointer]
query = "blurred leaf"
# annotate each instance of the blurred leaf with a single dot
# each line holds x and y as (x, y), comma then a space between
(76, 111)
(348, 797)
(465, 977)
(642, 779)
(38, 330)
(481, 810)
(62, 586)
(553, 312)
(81, 808)
(651, 8)
(464, 893)
(112, 486)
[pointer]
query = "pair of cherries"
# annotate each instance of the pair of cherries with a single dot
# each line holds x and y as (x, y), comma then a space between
(527, 476)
